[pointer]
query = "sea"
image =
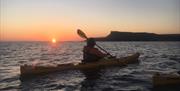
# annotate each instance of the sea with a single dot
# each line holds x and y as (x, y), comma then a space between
(162, 56)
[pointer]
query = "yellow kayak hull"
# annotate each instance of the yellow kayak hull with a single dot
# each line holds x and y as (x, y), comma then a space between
(29, 70)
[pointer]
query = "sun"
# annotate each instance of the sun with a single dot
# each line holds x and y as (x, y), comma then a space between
(53, 40)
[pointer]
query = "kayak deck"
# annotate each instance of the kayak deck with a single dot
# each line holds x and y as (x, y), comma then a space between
(165, 79)
(29, 70)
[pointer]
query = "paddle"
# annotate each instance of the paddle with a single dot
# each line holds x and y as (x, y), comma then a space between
(83, 35)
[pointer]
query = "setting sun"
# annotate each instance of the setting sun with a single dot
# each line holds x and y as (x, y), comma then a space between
(53, 40)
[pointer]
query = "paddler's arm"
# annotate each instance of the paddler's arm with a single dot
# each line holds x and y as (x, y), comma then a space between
(98, 53)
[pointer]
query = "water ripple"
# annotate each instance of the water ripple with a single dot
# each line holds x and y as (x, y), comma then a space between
(155, 57)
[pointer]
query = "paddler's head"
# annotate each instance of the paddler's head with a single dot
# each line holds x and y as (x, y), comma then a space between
(91, 42)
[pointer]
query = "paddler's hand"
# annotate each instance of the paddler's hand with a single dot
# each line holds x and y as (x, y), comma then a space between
(113, 57)
(110, 56)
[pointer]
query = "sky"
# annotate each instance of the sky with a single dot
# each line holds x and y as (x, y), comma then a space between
(42, 20)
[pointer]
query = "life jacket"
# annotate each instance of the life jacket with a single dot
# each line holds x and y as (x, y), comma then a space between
(91, 54)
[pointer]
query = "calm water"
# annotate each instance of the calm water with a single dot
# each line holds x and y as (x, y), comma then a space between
(155, 57)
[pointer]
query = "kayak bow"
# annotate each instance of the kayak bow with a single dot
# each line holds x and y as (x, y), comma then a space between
(165, 79)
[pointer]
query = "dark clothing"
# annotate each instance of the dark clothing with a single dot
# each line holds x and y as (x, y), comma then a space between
(91, 54)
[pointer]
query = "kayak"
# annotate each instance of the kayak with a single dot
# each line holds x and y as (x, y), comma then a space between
(31, 70)
(165, 79)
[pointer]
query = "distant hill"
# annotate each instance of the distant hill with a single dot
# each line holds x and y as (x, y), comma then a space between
(141, 36)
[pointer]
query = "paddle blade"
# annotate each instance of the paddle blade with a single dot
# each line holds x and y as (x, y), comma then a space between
(81, 34)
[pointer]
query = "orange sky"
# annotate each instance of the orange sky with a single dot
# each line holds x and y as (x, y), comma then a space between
(42, 20)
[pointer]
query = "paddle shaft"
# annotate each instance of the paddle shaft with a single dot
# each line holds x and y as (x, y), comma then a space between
(103, 50)
(83, 35)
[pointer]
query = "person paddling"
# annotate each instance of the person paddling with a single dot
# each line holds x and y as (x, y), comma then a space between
(90, 53)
